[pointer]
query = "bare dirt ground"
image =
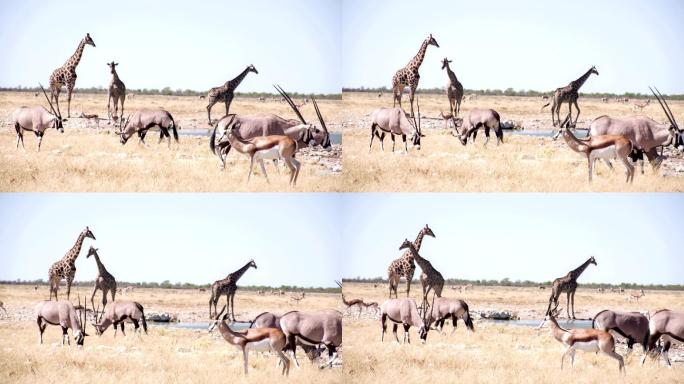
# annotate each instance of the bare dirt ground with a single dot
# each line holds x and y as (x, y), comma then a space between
(495, 352)
(86, 159)
(524, 163)
(165, 355)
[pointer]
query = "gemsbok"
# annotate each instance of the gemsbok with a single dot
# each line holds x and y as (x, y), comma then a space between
(272, 147)
(62, 313)
(253, 339)
(666, 324)
(630, 325)
(601, 147)
(588, 340)
(144, 119)
(444, 308)
(120, 311)
(404, 312)
(475, 119)
(394, 122)
(313, 328)
(36, 119)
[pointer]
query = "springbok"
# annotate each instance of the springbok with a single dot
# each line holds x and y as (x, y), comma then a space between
(349, 304)
(313, 328)
(395, 122)
(666, 324)
(61, 313)
(640, 106)
(36, 119)
(254, 339)
(118, 312)
(299, 298)
(636, 295)
(630, 325)
(601, 147)
(273, 147)
(589, 340)
(405, 312)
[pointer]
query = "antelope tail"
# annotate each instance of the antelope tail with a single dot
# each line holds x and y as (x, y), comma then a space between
(467, 319)
(175, 130)
(142, 320)
(212, 145)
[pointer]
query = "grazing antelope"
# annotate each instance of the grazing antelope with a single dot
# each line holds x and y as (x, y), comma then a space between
(370, 304)
(37, 120)
(61, 313)
(202, 289)
(444, 308)
(588, 340)
(604, 99)
(636, 295)
(353, 303)
(313, 328)
(542, 287)
(273, 147)
(475, 119)
(630, 325)
(405, 312)
(120, 311)
(255, 339)
(601, 147)
(666, 324)
(90, 119)
(144, 119)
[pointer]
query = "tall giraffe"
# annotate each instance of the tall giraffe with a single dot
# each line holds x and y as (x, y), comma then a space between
(430, 278)
(104, 280)
(66, 267)
(116, 92)
(226, 92)
(454, 90)
(66, 74)
(408, 76)
(568, 284)
(228, 286)
(404, 266)
(570, 94)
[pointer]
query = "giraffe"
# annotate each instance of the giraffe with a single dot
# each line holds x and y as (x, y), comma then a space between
(569, 94)
(568, 284)
(66, 267)
(104, 280)
(228, 287)
(430, 278)
(226, 92)
(66, 74)
(404, 266)
(454, 90)
(117, 91)
(408, 76)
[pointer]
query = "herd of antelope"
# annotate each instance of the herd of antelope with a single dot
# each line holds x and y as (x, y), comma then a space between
(623, 138)
(257, 136)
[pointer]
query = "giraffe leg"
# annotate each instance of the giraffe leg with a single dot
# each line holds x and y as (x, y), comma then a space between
(232, 305)
(109, 112)
(411, 97)
(69, 281)
(92, 299)
(123, 98)
(209, 106)
(408, 285)
(70, 90)
(578, 113)
(229, 100)
(567, 304)
(572, 296)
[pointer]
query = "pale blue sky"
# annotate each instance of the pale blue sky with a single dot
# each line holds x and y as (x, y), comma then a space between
(175, 43)
(635, 238)
(523, 44)
(197, 238)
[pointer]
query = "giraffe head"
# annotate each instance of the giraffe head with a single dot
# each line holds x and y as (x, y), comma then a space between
(593, 70)
(92, 251)
(88, 233)
(445, 63)
(88, 40)
(428, 231)
(431, 41)
(252, 264)
(406, 244)
(592, 260)
(112, 68)
(252, 68)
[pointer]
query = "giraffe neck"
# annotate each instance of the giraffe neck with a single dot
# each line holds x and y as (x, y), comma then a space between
(577, 272)
(419, 239)
(238, 274)
(115, 76)
(100, 267)
(238, 79)
(73, 253)
(423, 263)
(577, 84)
(76, 57)
(452, 75)
(418, 59)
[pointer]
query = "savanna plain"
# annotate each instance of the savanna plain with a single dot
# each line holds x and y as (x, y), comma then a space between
(164, 355)
(496, 352)
(526, 162)
(86, 158)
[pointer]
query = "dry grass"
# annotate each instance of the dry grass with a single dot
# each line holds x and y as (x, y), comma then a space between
(85, 160)
(165, 355)
(522, 164)
(494, 353)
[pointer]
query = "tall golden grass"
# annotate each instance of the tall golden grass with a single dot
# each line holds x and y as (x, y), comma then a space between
(165, 355)
(84, 159)
(521, 164)
(493, 353)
